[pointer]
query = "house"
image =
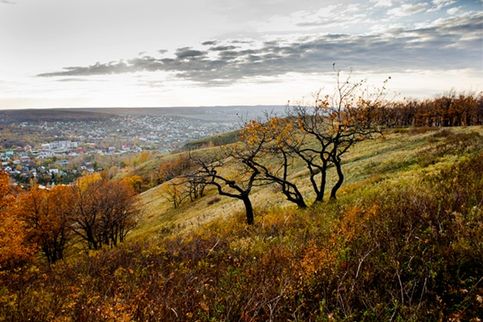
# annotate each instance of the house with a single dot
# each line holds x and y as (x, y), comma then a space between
(25, 159)
(63, 162)
(54, 171)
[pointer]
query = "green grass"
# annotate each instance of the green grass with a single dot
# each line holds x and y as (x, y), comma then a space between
(395, 155)
(216, 140)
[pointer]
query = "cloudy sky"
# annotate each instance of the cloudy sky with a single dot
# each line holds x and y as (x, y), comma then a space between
(108, 53)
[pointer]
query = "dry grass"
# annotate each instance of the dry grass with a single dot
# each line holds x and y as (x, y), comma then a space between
(390, 157)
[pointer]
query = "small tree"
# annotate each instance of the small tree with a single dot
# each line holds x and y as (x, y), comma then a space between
(175, 192)
(46, 216)
(195, 186)
(239, 174)
(276, 159)
(331, 126)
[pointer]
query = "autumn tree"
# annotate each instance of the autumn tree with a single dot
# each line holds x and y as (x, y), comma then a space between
(104, 210)
(450, 109)
(331, 126)
(117, 210)
(61, 200)
(14, 248)
(274, 137)
(46, 215)
(133, 181)
(232, 172)
(86, 204)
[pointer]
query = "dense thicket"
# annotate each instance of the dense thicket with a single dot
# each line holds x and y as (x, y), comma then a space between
(447, 110)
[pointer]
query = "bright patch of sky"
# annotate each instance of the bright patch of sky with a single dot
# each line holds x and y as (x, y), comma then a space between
(81, 53)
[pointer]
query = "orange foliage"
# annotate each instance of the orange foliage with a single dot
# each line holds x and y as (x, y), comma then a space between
(46, 216)
(352, 222)
(134, 182)
(103, 210)
(276, 130)
(13, 246)
(317, 258)
(173, 168)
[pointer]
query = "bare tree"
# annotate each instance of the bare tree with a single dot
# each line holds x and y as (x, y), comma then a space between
(275, 160)
(175, 192)
(331, 126)
(238, 177)
(195, 186)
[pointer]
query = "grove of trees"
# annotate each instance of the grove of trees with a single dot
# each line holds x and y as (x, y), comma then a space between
(95, 210)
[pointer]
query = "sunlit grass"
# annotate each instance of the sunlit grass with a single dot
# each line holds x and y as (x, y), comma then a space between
(394, 156)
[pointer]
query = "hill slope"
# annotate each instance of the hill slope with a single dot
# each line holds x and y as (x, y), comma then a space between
(396, 154)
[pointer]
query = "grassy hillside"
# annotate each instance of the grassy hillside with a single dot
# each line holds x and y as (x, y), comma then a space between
(216, 140)
(404, 242)
(395, 155)
(52, 115)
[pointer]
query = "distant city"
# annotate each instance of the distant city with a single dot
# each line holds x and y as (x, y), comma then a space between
(50, 150)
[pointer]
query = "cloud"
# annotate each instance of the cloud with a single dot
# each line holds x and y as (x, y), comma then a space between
(382, 3)
(407, 9)
(209, 43)
(72, 80)
(238, 41)
(7, 2)
(188, 53)
(453, 11)
(223, 48)
(449, 43)
(442, 3)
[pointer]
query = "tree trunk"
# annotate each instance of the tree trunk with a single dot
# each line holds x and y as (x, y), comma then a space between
(338, 184)
(248, 210)
(301, 204)
(323, 180)
(295, 196)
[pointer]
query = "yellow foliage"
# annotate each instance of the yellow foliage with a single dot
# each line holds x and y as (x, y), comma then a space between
(135, 182)
(316, 258)
(84, 181)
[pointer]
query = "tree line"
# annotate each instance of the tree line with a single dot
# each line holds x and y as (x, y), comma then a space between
(447, 110)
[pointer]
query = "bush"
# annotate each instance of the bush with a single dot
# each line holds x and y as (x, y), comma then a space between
(412, 252)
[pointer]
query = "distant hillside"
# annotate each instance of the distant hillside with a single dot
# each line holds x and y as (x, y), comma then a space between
(231, 114)
(51, 115)
(216, 140)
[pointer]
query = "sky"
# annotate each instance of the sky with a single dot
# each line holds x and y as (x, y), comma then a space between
(128, 53)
